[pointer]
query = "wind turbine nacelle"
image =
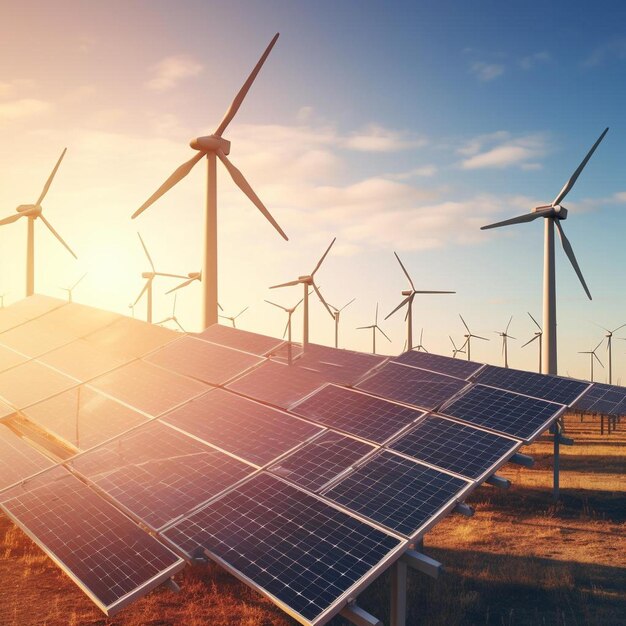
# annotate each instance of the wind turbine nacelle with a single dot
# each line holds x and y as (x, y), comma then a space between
(560, 212)
(147, 275)
(407, 292)
(29, 208)
(193, 275)
(306, 279)
(210, 143)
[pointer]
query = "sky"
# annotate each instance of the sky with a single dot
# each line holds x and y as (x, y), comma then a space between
(393, 126)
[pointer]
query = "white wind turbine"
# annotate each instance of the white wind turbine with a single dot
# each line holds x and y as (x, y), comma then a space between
(375, 327)
(336, 313)
(290, 311)
(592, 355)
(553, 214)
(456, 350)
(419, 347)
(468, 339)
(215, 147)
(308, 280)
(505, 337)
(71, 289)
(232, 318)
(131, 306)
(32, 212)
(172, 317)
(2, 300)
(609, 347)
(150, 276)
(408, 300)
(536, 336)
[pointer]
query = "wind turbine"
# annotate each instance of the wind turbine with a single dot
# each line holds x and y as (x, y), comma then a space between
(537, 335)
(418, 347)
(132, 309)
(309, 281)
(215, 147)
(505, 346)
(2, 300)
(191, 277)
(150, 276)
(468, 339)
(456, 350)
(374, 328)
(290, 311)
(609, 347)
(553, 214)
(32, 212)
(172, 317)
(408, 300)
(71, 289)
(336, 313)
(232, 318)
(592, 355)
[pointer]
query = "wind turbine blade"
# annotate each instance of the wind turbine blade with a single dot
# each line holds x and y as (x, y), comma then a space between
(570, 183)
(299, 303)
(239, 98)
(183, 284)
(50, 179)
(618, 328)
(174, 306)
(536, 322)
(166, 275)
(405, 272)
(243, 184)
(145, 249)
(286, 328)
(241, 312)
(353, 299)
(506, 330)
(78, 281)
(521, 219)
(291, 283)
(179, 325)
(464, 324)
(595, 356)
(376, 316)
(435, 292)
(452, 341)
(383, 332)
(282, 308)
(145, 288)
(321, 297)
(364, 327)
(421, 336)
(178, 174)
(405, 301)
(598, 345)
(511, 337)
(54, 232)
(479, 337)
(530, 341)
(11, 218)
(570, 255)
(319, 263)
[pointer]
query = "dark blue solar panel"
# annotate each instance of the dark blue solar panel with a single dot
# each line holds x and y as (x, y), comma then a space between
(455, 447)
(553, 388)
(397, 492)
(357, 413)
(287, 543)
(603, 399)
(437, 363)
(412, 386)
(503, 411)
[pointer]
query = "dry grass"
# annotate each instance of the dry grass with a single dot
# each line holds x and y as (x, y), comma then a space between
(520, 560)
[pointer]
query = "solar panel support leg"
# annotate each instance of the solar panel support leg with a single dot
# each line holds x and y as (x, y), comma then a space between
(398, 594)
(464, 509)
(522, 459)
(422, 563)
(555, 469)
(357, 616)
(498, 481)
(171, 584)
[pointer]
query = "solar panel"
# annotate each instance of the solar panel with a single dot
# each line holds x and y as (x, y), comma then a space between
(603, 399)
(277, 384)
(503, 411)
(203, 360)
(9, 358)
(553, 388)
(303, 553)
(240, 339)
(247, 429)
(398, 493)
(454, 447)
(18, 460)
(5, 410)
(147, 387)
(78, 319)
(437, 363)
(31, 382)
(158, 473)
(412, 386)
(83, 417)
(34, 338)
(110, 558)
(321, 460)
(26, 310)
(357, 413)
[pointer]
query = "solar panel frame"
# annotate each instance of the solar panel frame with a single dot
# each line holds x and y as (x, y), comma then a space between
(10, 358)
(458, 368)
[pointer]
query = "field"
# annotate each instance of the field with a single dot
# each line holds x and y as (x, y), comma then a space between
(521, 560)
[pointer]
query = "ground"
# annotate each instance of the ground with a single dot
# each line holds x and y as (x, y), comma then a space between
(521, 560)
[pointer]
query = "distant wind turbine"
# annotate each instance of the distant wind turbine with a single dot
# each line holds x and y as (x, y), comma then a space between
(71, 289)
(537, 336)
(2, 300)
(132, 309)
(408, 300)
(375, 327)
(216, 147)
(609, 347)
(553, 214)
(468, 339)
(290, 311)
(456, 350)
(505, 346)
(336, 313)
(32, 212)
(592, 355)
(232, 318)
(419, 347)
(172, 317)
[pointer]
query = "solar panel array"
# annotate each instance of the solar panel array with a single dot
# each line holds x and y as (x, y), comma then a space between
(603, 399)
(293, 479)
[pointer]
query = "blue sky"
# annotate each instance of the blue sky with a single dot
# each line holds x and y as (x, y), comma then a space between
(389, 125)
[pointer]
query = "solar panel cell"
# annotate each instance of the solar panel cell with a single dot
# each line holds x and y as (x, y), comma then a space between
(240, 339)
(35, 338)
(27, 309)
(437, 363)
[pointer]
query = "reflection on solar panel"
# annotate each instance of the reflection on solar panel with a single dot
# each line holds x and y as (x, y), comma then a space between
(437, 363)
(306, 555)
(203, 360)
(106, 554)
(35, 338)
(321, 460)
(82, 360)
(18, 460)
(356, 413)
(247, 429)
(454, 447)
(9, 358)
(503, 411)
(79, 320)
(31, 382)
(83, 417)
(603, 400)
(277, 384)
(147, 387)
(396, 492)
(240, 339)
(412, 386)
(27, 309)
(158, 473)
(553, 388)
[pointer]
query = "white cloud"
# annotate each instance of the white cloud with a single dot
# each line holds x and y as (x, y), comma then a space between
(486, 72)
(426, 171)
(171, 70)
(24, 107)
(528, 62)
(620, 196)
(521, 151)
(375, 138)
(615, 49)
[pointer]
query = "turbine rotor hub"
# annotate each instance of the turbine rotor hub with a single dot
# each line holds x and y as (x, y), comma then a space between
(33, 210)
(210, 143)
